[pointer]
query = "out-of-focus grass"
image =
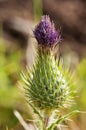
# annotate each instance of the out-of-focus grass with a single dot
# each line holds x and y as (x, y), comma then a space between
(78, 68)
(37, 7)
(10, 67)
(9, 74)
(81, 83)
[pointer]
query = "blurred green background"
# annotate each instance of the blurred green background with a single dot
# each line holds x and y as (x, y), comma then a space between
(17, 21)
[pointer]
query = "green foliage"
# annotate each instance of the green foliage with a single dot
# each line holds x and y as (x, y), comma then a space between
(81, 83)
(9, 75)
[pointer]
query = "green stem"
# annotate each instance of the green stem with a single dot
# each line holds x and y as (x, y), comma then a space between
(39, 115)
(46, 118)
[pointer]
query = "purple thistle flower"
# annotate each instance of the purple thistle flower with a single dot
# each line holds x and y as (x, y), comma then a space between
(45, 32)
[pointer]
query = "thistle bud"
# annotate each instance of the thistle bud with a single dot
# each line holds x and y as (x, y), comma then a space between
(48, 87)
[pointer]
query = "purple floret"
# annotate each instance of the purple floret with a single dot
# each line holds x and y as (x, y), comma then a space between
(45, 32)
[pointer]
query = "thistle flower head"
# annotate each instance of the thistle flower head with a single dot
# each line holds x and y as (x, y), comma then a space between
(45, 32)
(47, 85)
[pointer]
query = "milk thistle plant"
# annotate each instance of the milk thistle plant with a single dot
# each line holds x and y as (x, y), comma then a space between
(48, 87)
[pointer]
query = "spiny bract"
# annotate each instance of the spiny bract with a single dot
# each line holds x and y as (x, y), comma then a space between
(46, 84)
